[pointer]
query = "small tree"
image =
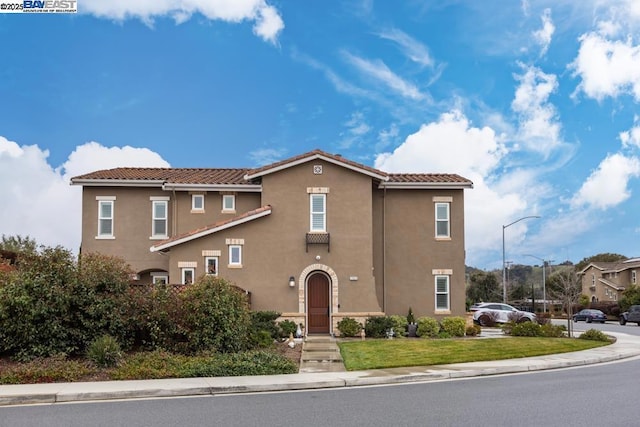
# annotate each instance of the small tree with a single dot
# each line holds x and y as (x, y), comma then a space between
(630, 296)
(565, 286)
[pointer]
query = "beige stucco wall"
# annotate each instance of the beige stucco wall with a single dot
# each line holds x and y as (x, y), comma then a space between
(274, 246)
(132, 226)
(412, 252)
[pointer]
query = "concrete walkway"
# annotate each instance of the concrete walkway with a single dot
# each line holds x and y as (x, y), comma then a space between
(626, 346)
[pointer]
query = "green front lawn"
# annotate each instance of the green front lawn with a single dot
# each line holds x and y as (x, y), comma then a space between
(384, 353)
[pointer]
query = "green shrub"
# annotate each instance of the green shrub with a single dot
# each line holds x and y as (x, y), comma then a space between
(261, 339)
(238, 364)
(287, 327)
(46, 370)
(552, 331)
(378, 326)
(428, 327)
(349, 327)
(266, 321)
(216, 316)
(526, 329)
(473, 330)
(399, 325)
(594, 335)
(410, 317)
(454, 326)
(104, 351)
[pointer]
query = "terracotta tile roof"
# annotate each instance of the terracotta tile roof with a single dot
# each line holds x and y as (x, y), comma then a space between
(314, 154)
(211, 228)
(171, 175)
(428, 178)
(213, 176)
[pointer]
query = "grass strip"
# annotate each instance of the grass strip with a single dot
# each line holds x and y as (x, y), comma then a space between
(395, 353)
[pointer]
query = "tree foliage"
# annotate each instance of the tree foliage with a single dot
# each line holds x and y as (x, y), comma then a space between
(603, 257)
(630, 296)
(18, 244)
(483, 286)
(565, 286)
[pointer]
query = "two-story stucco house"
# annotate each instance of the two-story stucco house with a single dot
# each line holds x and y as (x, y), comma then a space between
(605, 281)
(316, 237)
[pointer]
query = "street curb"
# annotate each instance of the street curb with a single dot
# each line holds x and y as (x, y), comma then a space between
(625, 347)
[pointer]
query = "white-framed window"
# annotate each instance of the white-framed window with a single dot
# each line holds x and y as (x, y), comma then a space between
(318, 212)
(211, 265)
(443, 229)
(105, 218)
(187, 274)
(159, 220)
(633, 277)
(442, 292)
(159, 279)
(593, 279)
(235, 255)
(228, 203)
(197, 202)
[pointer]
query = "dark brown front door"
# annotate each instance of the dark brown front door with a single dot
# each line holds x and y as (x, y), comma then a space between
(318, 304)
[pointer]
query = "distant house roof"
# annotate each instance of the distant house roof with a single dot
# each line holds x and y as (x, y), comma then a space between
(613, 267)
(212, 228)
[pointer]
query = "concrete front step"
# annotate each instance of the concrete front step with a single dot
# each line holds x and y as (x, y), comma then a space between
(317, 346)
(321, 356)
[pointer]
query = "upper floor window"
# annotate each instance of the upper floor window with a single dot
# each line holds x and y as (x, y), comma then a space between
(318, 210)
(593, 279)
(228, 203)
(197, 202)
(159, 227)
(633, 277)
(443, 228)
(105, 217)
(442, 292)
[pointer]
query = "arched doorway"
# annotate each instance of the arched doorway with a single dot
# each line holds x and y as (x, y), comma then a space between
(318, 305)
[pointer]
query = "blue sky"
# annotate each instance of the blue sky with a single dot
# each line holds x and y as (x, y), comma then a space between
(535, 101)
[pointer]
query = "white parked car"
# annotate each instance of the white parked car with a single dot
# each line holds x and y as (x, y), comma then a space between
(487, 313)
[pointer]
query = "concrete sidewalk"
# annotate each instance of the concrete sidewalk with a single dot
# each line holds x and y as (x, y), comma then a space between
(626, 346)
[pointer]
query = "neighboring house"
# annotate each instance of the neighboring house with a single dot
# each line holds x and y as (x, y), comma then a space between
(605, 281)
(316, 237)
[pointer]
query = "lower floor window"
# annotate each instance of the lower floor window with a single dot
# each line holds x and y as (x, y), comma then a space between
(159, 279)
(235, 255)
(442, 292)
(211, 263)
(187, 275)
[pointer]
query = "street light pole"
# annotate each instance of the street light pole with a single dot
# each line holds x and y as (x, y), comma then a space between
(504, 266)
(544, 282)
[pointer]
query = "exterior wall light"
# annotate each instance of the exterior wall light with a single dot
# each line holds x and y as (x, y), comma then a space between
(292, 282)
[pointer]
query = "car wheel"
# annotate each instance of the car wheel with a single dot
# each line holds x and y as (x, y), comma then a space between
(623, 321)
(575, 320)
(524, 319)
(484, 320)
(589, 319)
(602, 321)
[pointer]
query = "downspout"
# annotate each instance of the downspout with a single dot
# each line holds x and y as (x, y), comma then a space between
(384, 250)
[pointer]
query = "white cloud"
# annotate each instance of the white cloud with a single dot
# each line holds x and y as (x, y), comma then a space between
(631, 137)
(544, 34)
(411, 47)
(38, 200)
(477, 151)
(379, 71)
(539, 127)
(265, 156)
(607, 68)
(267, 20)
(453, 145)
(607, 186)
(356, 128)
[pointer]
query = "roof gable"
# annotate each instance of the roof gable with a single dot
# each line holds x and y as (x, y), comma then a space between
(316, 155)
